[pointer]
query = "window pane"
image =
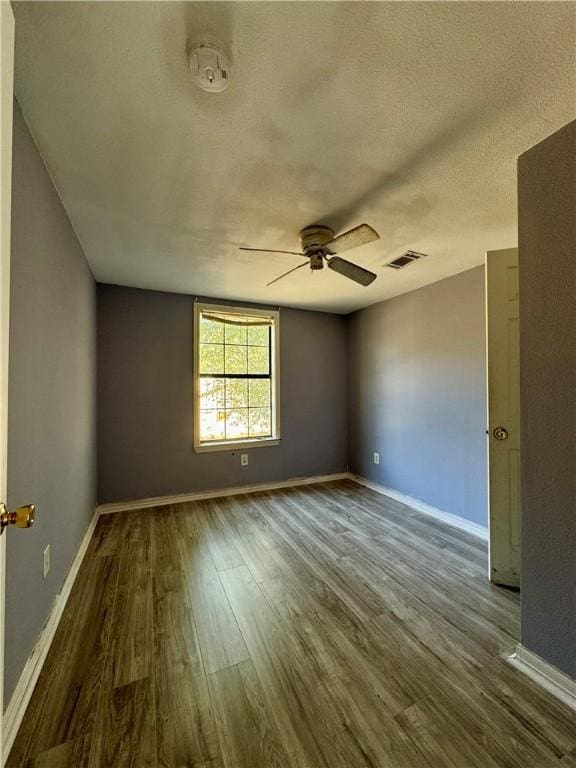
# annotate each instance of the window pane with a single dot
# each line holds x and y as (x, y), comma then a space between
(212, 424)
(232, 406)
(211, 393)
(258, 335)
(258, 360)
(211, 358)
(259, 393)
(236, 393)
(235, 334)
(260, 422)
(236, 423)
(211, 331)
(236, 359)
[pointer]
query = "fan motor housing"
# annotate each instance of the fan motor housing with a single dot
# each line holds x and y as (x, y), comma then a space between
(314, 238)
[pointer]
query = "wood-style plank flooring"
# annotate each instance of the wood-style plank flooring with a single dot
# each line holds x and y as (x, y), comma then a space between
(316, 627)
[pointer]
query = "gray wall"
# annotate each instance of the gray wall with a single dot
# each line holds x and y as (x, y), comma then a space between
(418, 394)
(547, 242)
(52, 418)
(145, 407)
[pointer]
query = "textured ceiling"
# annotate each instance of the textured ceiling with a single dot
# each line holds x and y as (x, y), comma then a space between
(408, 116)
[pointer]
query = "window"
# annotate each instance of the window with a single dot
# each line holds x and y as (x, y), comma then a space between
(236, 377)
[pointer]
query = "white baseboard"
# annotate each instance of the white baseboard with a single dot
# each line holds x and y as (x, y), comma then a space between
(553, 680)
(420, 506)
(162, 501)
(20, 699)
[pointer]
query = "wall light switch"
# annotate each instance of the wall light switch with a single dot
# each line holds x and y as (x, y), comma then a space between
(243, 459)
(47, 561)
(376, 458)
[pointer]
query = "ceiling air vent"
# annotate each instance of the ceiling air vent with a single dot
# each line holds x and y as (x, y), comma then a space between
(405, 259)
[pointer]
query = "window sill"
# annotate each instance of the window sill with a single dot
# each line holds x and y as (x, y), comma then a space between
(267, 442)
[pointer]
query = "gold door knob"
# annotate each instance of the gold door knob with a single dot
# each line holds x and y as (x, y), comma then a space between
(23, 517)
(500, 433)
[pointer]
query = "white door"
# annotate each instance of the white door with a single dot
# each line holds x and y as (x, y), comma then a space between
(502, 311)
(7, 73)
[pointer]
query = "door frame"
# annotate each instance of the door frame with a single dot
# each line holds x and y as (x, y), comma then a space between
(6, 109)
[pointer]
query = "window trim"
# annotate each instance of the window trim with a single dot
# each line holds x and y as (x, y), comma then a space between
(254, 442)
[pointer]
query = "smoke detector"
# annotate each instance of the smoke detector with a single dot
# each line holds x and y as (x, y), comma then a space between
(209, 66)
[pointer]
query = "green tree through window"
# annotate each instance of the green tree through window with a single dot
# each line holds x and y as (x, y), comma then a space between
(235, 354)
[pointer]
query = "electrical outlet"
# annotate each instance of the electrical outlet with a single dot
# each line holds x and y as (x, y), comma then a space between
(376, 458)
(47, 561)
(243, 459)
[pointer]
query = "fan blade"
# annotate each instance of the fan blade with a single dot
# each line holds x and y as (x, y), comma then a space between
(352, 271)
(304, 264)
(360, 235)
(269, 250)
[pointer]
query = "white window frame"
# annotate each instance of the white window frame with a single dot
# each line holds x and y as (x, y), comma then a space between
(254, 442)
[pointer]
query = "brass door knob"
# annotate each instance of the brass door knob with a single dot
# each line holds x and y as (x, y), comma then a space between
(23, 517)
(500, 433)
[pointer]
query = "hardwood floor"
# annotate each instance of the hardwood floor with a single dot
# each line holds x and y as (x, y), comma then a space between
(317, 627)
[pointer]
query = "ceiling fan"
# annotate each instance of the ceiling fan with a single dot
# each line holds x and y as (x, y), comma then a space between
(320, 245)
